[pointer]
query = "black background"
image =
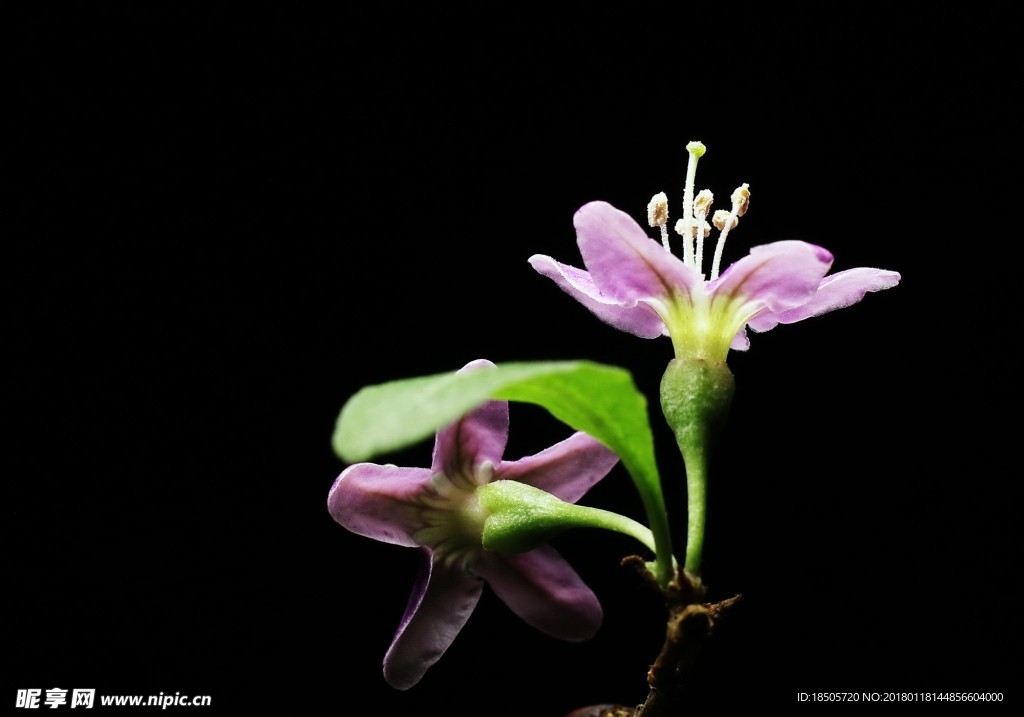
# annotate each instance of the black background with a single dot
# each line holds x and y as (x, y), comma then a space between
(223, 220)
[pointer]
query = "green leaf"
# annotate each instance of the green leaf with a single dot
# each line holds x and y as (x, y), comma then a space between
(598, 399)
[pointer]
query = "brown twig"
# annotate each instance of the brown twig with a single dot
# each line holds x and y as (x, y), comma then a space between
(690, 623)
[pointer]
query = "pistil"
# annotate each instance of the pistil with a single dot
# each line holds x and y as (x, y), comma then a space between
(696, 151)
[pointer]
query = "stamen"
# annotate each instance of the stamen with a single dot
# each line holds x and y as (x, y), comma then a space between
(657, 216)
(696, 151)
(721, 218)
(681, 228)
(726, 222)
(741, 198)
(701, 207)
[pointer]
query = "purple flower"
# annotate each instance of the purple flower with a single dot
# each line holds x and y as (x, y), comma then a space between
(437, 511)
(635, 284)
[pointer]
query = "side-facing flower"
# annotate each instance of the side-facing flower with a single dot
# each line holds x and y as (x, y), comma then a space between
(438, 511)
(638, 285)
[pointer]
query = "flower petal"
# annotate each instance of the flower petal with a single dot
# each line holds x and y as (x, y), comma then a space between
(625, 263)
(378, 501)
(542, 588)
(566, 470)
(632, 316)
(780, 275)
(842, 289)
(740, 342)
(441, 603)
(480, 435)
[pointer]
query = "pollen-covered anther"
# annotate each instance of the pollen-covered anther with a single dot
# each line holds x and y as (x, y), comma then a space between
(701, 207)
(722, 219)
(702, 203)
(657, 216)
(741, 199)
(705, 230)
(657, 210)
(681, 228)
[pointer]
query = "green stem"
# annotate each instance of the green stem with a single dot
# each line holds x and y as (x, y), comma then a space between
(654, 507)
(586, 517)
(696, 511)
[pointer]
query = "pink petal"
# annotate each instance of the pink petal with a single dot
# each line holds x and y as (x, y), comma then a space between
(781, 275)
(478, 436)
(632, 316)
(379, 501)
(740, 342)
(540, 587)
(625, 263)
(441, 603)
(567, 469)
(842, 289)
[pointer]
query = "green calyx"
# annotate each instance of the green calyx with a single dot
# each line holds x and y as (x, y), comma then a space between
(523, 517)
(695, 397)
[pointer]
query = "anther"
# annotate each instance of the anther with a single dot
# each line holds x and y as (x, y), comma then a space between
(680, 228)
(702, 203)
(740, 202)
(701, 207)
(723, 217)
(741, 199)
(657, 216)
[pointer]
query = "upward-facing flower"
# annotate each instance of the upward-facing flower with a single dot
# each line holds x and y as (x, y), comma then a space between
(438, 511)
(638, 285)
